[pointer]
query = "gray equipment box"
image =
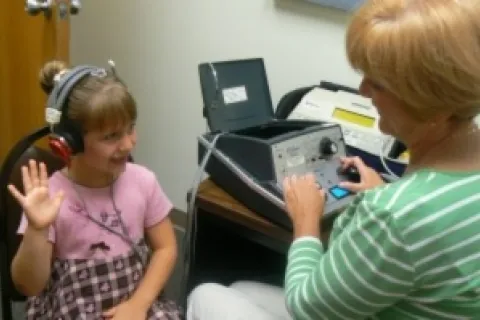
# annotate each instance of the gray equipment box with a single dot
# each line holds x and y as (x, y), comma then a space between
(250, 152)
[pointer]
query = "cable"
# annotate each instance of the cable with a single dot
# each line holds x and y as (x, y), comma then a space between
(124, 235)
(215, 76)
(244, 177)
(190, 232)
(216, 100)
(189, 238)
(384, 163)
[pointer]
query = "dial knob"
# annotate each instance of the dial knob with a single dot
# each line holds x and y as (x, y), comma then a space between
(328, 147)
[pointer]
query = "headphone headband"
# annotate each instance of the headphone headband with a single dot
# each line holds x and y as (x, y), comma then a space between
(56, 103)
(66, 138)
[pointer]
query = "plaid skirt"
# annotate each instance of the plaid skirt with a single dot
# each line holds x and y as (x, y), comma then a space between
(85, 288)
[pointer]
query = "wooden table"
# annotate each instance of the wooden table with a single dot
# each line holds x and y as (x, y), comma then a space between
(211, 199)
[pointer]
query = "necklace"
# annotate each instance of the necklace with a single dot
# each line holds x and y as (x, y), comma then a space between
(471, 129)
(124, 234)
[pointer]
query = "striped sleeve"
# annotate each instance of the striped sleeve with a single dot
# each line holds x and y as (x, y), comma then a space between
(367, 269)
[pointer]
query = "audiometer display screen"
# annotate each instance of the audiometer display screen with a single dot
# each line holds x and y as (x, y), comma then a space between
(354, 117)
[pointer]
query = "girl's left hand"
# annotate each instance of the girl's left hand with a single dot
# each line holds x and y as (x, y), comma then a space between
(305, 202)
(126, 310)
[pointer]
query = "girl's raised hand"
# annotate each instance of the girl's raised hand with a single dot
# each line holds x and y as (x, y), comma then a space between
(40, 209)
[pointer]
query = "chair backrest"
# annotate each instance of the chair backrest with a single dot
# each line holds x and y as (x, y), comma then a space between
(289, 101)
(10, 210)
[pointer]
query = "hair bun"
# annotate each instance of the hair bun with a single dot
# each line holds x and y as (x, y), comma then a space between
(48, 73)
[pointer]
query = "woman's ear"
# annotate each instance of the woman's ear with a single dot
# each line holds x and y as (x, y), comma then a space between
(443, 117)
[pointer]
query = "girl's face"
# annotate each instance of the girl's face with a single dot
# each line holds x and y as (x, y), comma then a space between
(107, 151)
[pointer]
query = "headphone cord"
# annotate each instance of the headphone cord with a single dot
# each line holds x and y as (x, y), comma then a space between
(124, 235)
(190, 234)
(384, 162)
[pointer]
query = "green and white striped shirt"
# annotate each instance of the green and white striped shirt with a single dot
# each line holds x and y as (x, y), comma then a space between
(406, 250)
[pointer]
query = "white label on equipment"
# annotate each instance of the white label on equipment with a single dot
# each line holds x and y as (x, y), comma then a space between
(295, 161)
(234, 95)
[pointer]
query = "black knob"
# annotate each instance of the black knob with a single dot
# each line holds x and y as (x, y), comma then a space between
(351, 173)
(328, 147)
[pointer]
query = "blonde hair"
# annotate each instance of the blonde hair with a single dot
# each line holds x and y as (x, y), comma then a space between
(95, 103)
(425, 52)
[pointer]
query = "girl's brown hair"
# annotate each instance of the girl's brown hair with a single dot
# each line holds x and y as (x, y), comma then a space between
(95, 103)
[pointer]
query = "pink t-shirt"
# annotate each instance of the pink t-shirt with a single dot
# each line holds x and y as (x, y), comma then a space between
(138, 196)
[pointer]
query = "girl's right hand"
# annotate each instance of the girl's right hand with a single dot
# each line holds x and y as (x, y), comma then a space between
(40, 209)
(369, 178)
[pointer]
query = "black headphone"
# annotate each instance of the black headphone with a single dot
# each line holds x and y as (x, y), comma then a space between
(66, 137)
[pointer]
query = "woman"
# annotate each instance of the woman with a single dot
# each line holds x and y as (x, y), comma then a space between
(408, 249)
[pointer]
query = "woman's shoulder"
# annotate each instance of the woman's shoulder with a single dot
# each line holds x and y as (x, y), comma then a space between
(424, 182)
(425, 191)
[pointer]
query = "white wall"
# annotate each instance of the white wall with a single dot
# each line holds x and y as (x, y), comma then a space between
(158, 44)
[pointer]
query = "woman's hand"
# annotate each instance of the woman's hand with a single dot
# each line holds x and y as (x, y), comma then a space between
(369, 178)
(305, 203)
(126, 311)
(40, 209)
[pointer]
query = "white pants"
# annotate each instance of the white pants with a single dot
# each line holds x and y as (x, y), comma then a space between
(243, 300)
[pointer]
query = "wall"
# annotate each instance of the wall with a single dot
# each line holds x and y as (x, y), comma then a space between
(157, 46)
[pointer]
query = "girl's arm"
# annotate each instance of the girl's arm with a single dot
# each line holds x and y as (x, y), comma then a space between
(32, 264)
(162, 241)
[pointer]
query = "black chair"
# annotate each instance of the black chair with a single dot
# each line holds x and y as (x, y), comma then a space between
(289, 101)
(11, 212)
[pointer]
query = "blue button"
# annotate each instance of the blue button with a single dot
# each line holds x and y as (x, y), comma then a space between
(339, 193)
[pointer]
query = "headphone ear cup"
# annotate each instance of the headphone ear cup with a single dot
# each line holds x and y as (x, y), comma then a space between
(66, 140)
(60, 148)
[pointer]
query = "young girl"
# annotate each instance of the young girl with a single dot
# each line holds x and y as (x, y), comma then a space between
(84, 253)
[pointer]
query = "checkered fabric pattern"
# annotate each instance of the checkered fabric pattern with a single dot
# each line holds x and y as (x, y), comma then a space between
(83, 289)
